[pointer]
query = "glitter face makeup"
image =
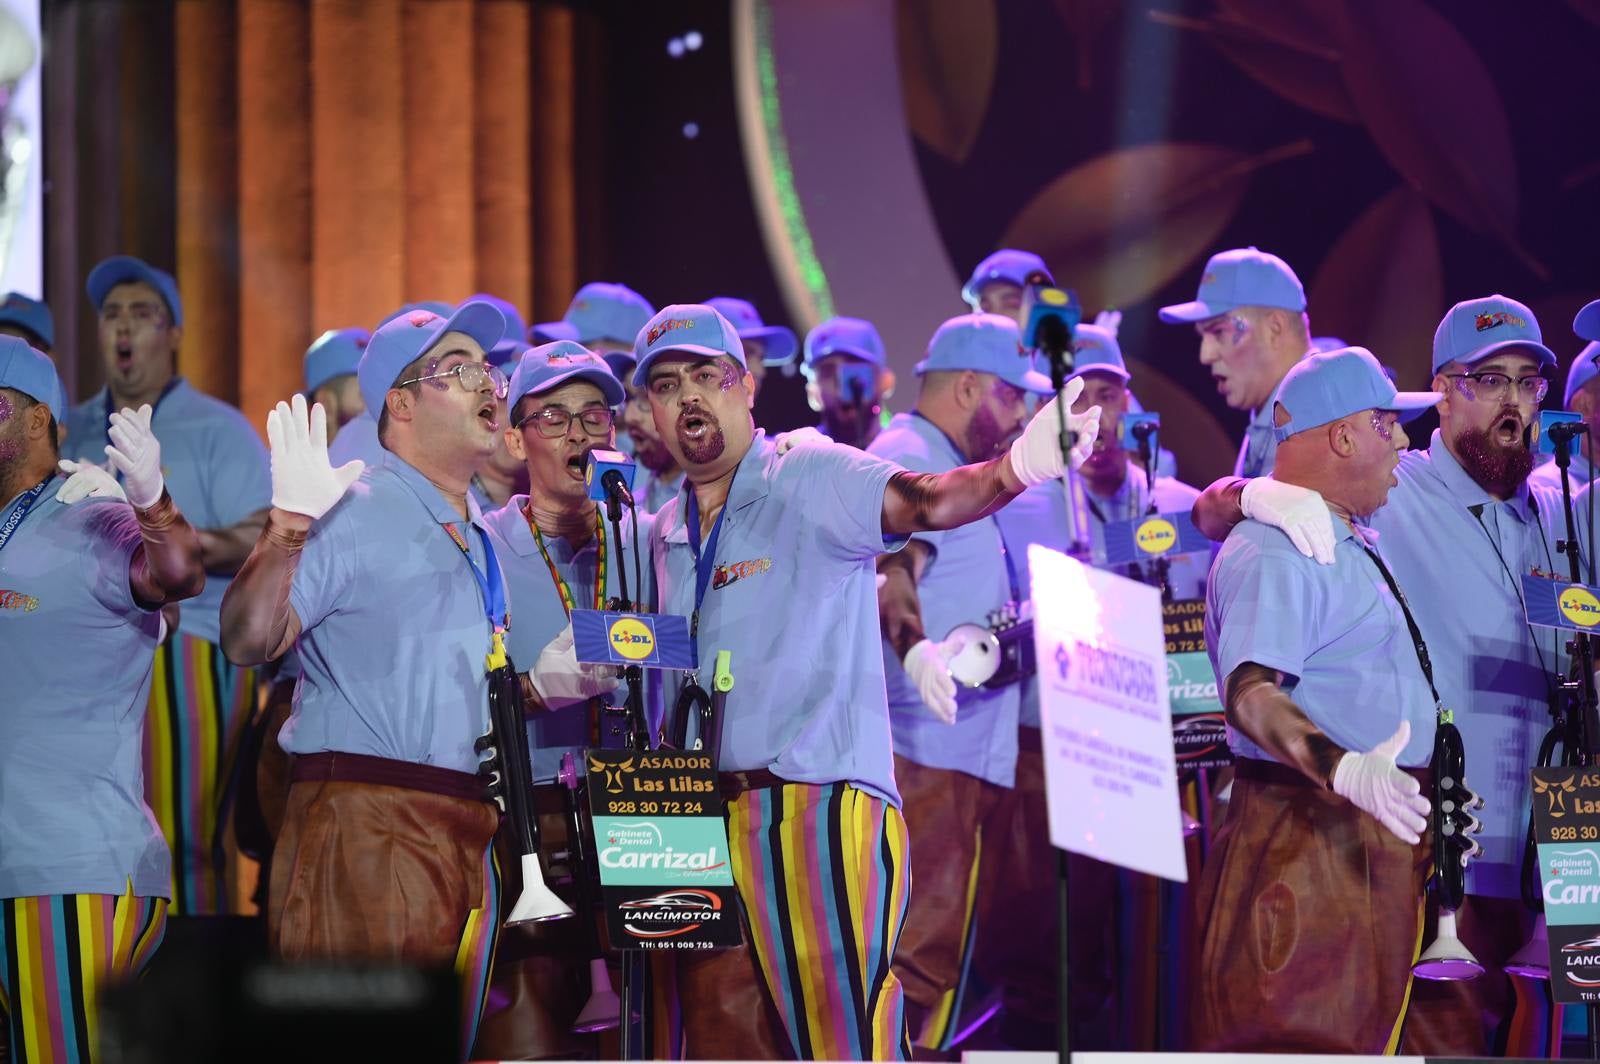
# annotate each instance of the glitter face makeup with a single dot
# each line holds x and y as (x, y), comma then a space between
(1240, 327)
(1383, 425)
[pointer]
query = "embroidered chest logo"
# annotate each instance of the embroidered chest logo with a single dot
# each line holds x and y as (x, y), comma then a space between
(16, 600)
(724, 575)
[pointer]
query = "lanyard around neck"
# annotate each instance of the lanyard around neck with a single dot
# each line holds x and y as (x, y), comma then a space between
(705, 561)
(563, 589)
(19, 510)
(493, 589)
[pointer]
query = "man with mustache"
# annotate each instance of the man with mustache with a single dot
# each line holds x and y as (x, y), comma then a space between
(1460, 529)
(847, 379)
(1250, 313)
(1329, 705)
(769, 555)
(955, 751)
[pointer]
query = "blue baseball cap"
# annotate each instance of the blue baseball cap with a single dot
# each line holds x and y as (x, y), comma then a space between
(123, 269)
(334, 354)
(550, 365)
(1474, 329)
(1329, 385)
(779, 340)
(1582, 372)
(1007, 264)
(692, 328)
(1327, 343)
(433, 306)
(26, 369)
(30, 314)
(986, 343)
(402, 340)
(1096, 349)
(1243, 277)
(854, 337)
(512, 344)
(1587, 322)
(548, 332)
(603, 311)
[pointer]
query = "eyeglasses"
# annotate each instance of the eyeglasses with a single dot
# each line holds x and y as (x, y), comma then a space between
(473, 377)
(1493, 387)
(553, 422)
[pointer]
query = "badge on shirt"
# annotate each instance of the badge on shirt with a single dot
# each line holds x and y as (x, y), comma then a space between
(649, 640)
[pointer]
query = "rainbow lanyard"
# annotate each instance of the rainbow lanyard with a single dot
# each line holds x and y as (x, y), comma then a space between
(569, 601)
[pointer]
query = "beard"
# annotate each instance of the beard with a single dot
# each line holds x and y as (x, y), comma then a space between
(709, 447)
(985, 436)
(1498, 469)
(652, 453)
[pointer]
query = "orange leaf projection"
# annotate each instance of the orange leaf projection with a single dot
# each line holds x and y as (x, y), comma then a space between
(1120, 226)
(1382, 286)
(947, 64)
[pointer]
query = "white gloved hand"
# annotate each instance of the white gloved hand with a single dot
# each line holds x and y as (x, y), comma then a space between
(802, 436)
(928, 665)
(562, 680)
(86, 480)
(1036, 454)
(1109, 320)
(1299, 512)
(136, 454)
(303, 480)
(1372, 782)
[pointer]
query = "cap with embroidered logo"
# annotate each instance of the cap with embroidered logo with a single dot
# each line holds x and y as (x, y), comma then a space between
(854, 337)
(1243, 277)
(778, 341)
(689, 328)
(1474, 329)
(125, 269)
(1327, 386)
(1095, 349)
(30, 315)
(26, 369)
(1007, 264)
(985, 343)
(552, 365)
(404, 339)
(335, 353)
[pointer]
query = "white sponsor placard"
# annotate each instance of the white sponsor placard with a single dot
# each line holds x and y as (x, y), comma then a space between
(1106, 724)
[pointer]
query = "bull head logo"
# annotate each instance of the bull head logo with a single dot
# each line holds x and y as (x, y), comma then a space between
(1556, 794)
(614, 773)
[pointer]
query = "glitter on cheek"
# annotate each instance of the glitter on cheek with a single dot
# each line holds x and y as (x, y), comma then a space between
(1383, 426)
(6, 409)
(730, 377)
(437, 383)
(1240, 328)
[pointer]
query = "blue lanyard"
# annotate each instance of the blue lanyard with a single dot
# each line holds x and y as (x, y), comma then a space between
(490, 584)
(705, 563)
(19, 510)
(1005, 551)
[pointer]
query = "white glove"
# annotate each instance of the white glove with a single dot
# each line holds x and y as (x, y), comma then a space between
(1036, 454)
(1372, 782)
(87, 481)
(928, 665)
(562, 680)
(136, 454)
(1109, 320)
(303, 481)
(1299, 512)
(803, 436)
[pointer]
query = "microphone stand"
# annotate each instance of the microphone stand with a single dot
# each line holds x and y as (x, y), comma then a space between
(1159, 566)
(1583, 722)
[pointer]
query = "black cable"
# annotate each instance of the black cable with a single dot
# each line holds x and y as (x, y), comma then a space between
(1516, 589)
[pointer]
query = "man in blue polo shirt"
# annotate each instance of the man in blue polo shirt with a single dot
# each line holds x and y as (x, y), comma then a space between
(767, 551)
(217, 472)
(390, 592)
(1469, 491)
(1250, 313)
(847, 379)
(955, 751)
(357, 440)
(1328, 705)
(84, 872)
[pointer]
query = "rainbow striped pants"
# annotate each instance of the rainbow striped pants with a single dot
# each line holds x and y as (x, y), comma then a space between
(823, 876)
(56, 953)
(199, 705)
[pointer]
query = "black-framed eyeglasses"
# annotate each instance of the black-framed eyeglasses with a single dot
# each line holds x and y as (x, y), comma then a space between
(1494, 387)
(472, 375)
(553, 422)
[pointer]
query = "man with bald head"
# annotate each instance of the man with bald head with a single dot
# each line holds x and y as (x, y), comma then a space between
(1250, 313)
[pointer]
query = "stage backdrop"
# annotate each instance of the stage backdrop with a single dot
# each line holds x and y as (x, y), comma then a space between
(304, 166)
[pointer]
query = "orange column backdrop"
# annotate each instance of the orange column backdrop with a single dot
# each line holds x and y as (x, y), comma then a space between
(322, 163)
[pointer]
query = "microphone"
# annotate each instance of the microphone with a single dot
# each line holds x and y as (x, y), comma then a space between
(1049, 316)
(1139, 429)
(610, 474)
(856, 382)
(1553, 427)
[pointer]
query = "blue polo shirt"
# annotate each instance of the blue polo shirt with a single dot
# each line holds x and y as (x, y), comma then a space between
(794, 597)
(215, 466)
(394, 630)
(77, 654)
(1455, 552)
(358, 438)
(1335, 630)
(539, 616)
(1039, 515)
(966, 577)
(1259, 451)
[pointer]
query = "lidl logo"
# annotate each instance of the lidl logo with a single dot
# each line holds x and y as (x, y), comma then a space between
(1158, 536)
(1054, 297)
(1579, 606)
(631, 638)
